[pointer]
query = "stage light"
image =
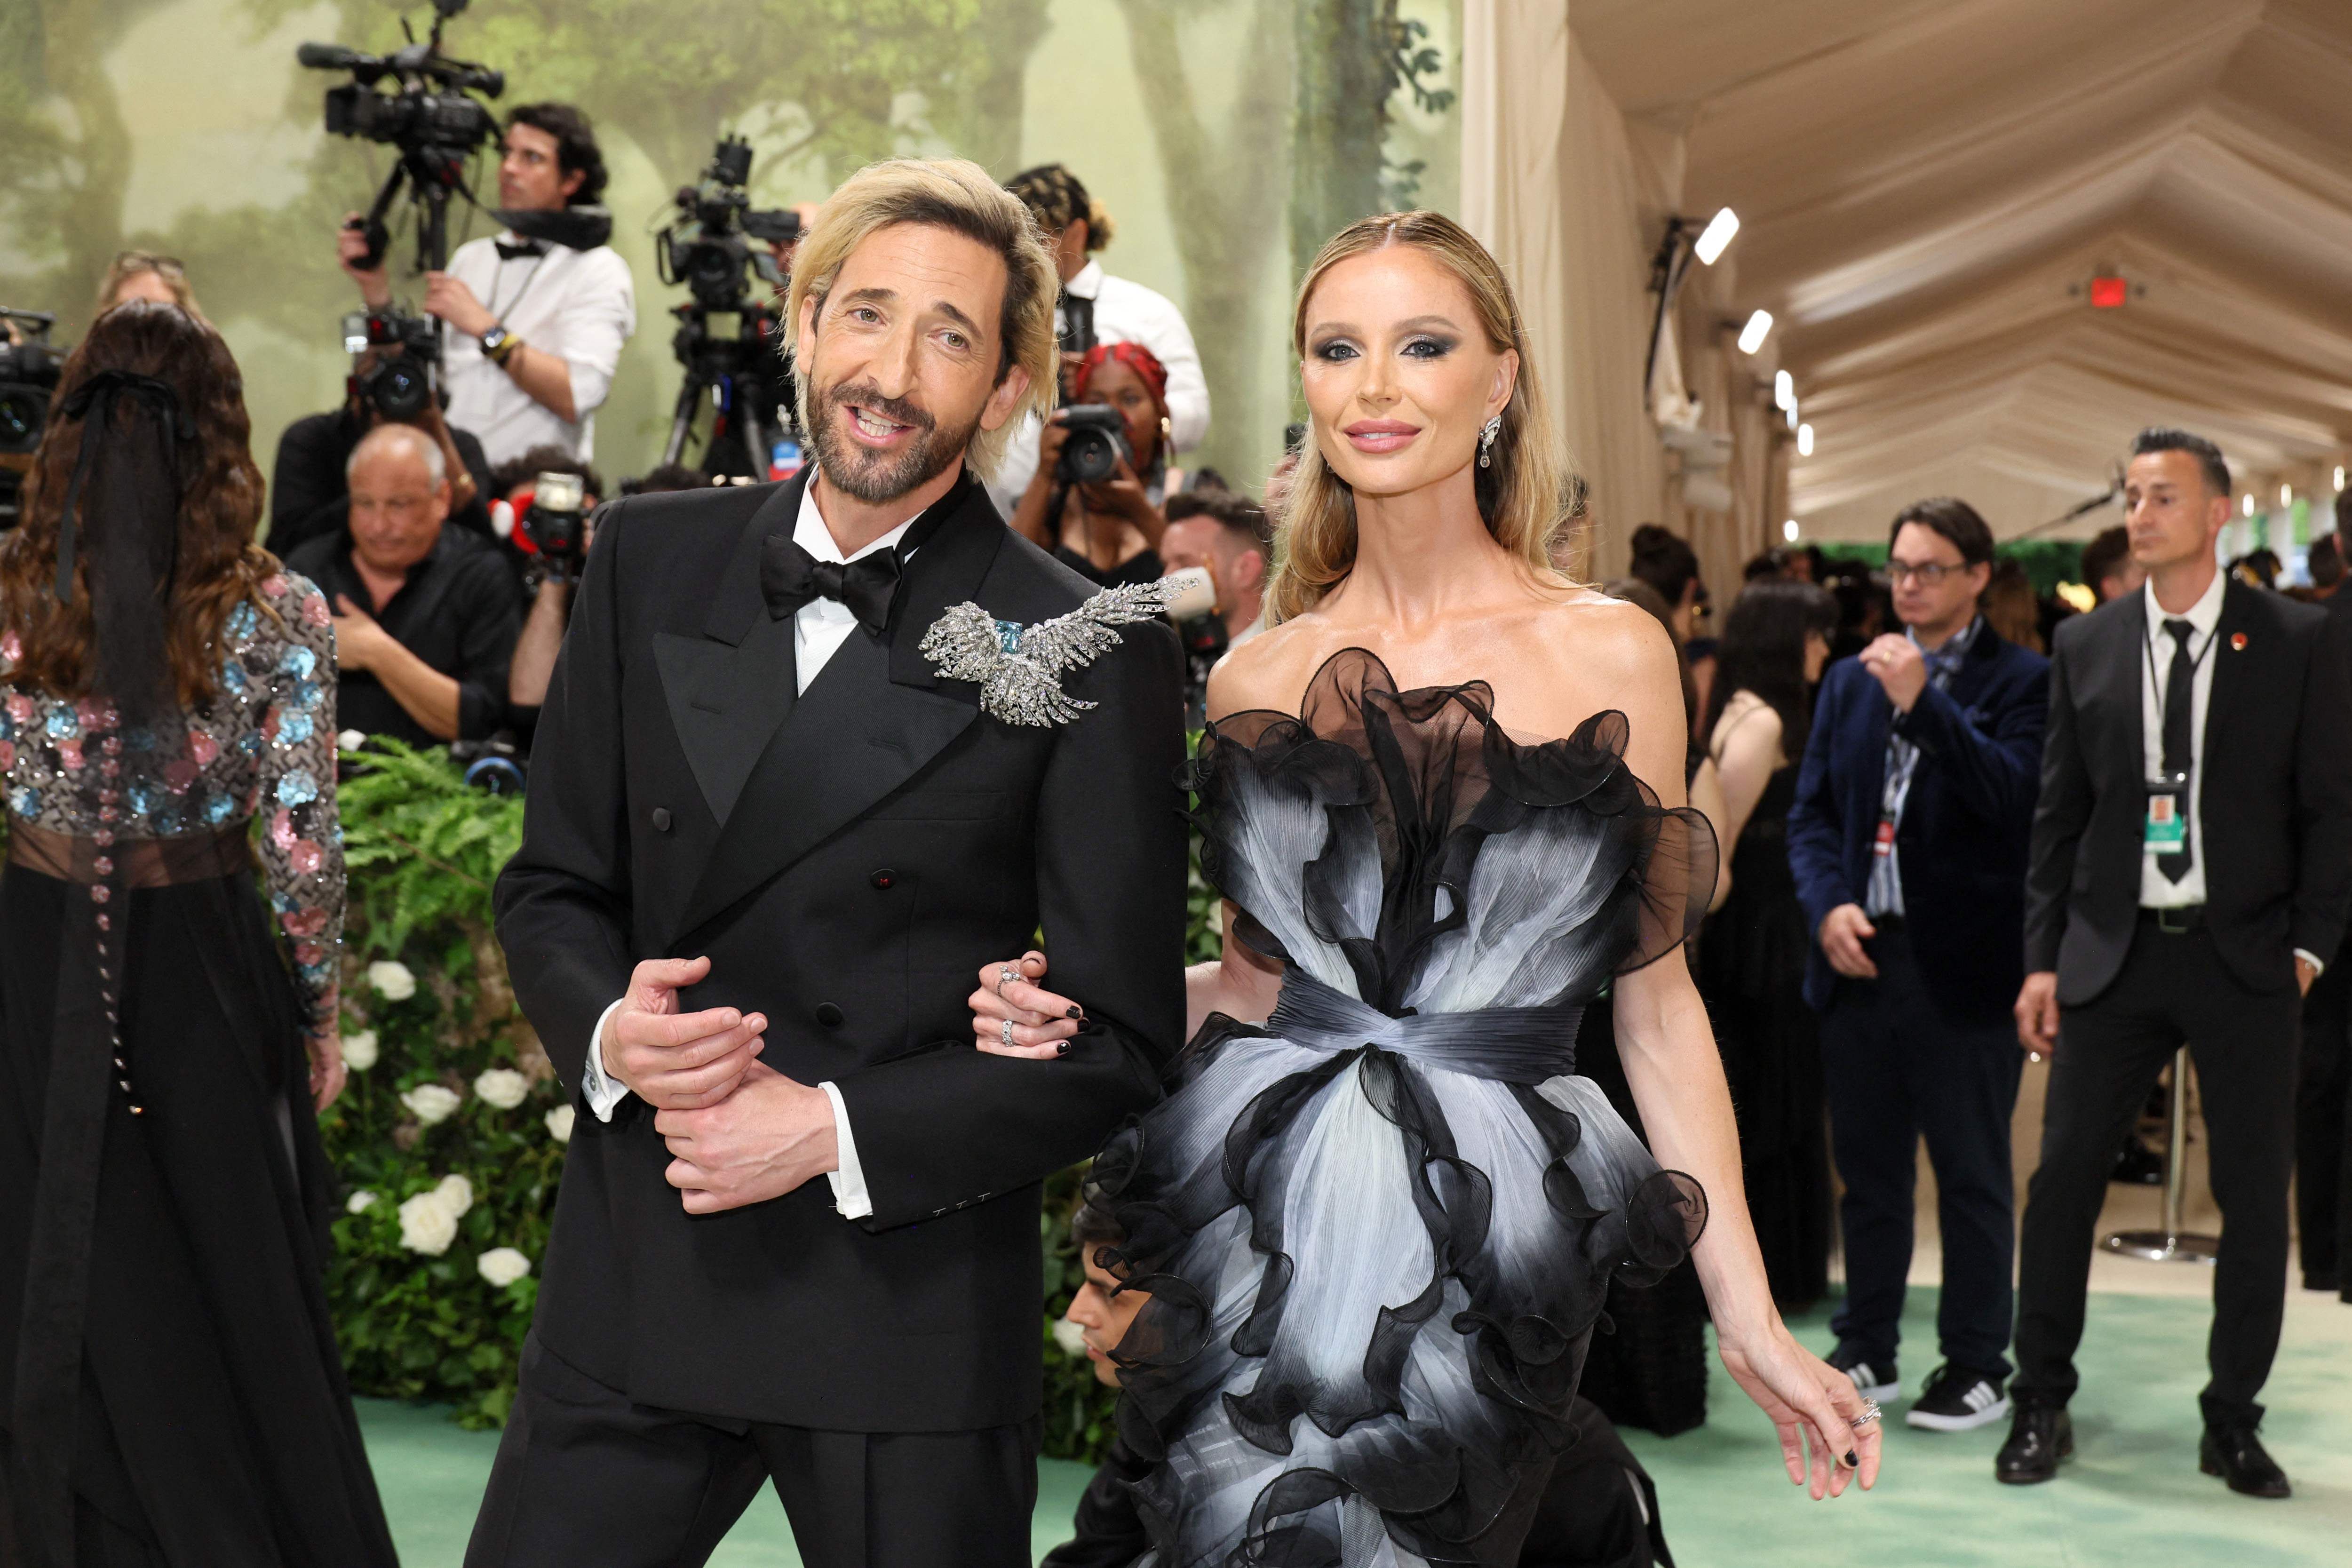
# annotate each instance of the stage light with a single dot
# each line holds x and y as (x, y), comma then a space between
(2339, 477)
(1804, 440)
(2286, 495)
(1788, 531)
(1716, 236)
(1752, 335)
(2246, 507)
(1784, 390)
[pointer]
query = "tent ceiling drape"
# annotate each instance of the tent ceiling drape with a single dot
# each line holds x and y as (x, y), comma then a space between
(1927, 188)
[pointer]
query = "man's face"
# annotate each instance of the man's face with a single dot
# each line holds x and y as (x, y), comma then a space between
(2170, 513)
(2124, 577)
(397, 509)
(1102, 1317)
(1202, 540)
(901, 359)
(1934, 588)
(530, 176)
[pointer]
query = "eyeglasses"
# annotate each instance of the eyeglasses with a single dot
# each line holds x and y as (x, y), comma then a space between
(1926, 574)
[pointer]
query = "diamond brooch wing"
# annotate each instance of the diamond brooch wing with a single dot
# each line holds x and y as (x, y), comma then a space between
(1019, 671)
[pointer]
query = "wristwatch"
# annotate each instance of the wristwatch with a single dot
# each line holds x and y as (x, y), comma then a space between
(499, 342)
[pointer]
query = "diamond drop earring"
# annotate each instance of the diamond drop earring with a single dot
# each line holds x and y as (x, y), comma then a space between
(1487, 441)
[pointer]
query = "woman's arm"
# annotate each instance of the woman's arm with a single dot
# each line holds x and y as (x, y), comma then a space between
(1706, 799)
(1745, 749)
(1031, 518)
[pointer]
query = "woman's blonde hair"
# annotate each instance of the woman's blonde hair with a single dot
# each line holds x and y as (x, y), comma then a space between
(129, 264)
(954, 194)
(1528, 495)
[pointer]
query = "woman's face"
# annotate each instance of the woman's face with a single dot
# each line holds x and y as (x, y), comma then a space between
(1115, 383)
(147, 285)
(1397, 371)
(1817, 654)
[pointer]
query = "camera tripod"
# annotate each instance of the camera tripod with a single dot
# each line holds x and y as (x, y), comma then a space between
(748, 385)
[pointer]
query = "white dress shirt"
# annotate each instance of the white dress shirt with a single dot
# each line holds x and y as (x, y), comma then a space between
(819, 628)
(1125, 312)
(579, 305)
(2156, 890)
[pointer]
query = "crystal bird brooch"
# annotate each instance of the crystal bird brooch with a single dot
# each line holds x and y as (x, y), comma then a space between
(1019, 668)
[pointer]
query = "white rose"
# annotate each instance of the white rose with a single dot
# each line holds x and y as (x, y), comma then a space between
(359, 1050)
(502, 1087)
(426, 1225)
(1070, 1337)
(502, 1265)
(456, 1195)
(431, 1103)
(559, 1123)
(392, 980)
(352, 740)
(359, 1201)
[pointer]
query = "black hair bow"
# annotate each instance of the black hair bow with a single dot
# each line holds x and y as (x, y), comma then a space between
(93, 403)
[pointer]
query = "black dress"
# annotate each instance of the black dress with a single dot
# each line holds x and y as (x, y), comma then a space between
(1751, 970)
(1143, 566)
(163, 1196)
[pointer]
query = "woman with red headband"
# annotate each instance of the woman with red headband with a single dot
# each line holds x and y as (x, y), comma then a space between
(1108, 531)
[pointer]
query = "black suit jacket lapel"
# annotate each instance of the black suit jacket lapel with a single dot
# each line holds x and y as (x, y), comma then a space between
(728, 688)
(872, 718)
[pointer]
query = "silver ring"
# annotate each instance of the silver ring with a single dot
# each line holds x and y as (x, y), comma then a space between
(1006, 976)
(1008, 1031)
(1869, 1414)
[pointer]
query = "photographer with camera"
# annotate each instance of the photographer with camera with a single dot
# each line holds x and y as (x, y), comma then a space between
(535, 327)
(308, 489)
(425, 614)
(548, 499)
(1102, 470)
(1097, 308)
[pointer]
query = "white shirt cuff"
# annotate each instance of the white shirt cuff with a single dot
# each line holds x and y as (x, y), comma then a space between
(2318, 968)
(601, 1091)
(849, 1196)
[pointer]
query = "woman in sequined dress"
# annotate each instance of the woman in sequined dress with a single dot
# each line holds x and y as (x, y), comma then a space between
(169, 1388)
(1378, 1211)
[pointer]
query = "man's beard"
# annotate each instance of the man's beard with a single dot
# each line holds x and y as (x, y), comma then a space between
(872, 476)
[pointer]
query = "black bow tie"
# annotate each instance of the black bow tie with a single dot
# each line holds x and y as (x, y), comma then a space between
(524, 247)
(790, 577)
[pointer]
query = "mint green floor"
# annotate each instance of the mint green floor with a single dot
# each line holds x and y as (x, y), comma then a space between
(2132, 1498)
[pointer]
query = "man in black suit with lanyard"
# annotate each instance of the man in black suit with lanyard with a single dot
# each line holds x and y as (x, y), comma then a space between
(2191, 865)
(775, 826)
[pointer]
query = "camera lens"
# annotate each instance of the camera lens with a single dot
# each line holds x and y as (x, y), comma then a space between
(400, 390)
(1090, 456)
(20, 420)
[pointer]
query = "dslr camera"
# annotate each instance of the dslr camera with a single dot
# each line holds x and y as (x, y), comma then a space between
(400, 384)
(30, 369)
(554, 526)
(708, 249)
(1096, 447)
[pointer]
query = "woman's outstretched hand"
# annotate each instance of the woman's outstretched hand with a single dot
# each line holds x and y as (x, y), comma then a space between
(1043, 1023)
(1814, 1408)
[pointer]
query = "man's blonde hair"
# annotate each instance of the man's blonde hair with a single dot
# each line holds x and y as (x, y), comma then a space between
(955, 195)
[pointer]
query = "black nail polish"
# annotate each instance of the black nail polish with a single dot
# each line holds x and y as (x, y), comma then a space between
(1853, 1461)
(1079, 1012)
(1061, 1048)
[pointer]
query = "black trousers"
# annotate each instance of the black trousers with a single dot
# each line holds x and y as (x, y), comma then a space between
(1897, 1069)
(2323, 1130)
(584, 1475)
(2172, 989)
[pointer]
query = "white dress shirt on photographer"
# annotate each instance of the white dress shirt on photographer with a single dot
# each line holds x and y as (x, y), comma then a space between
(819, 628)
(579, 305)
(1125, 312)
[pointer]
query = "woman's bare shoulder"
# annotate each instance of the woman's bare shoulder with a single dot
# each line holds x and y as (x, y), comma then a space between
(1613, 637)
(1271, 670)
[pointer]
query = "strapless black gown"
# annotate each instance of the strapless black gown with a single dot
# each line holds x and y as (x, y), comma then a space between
(1378, 1230)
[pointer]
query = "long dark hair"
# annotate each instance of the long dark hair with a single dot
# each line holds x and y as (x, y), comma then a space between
(213, 561)
(1664, 561)
(1763, 651)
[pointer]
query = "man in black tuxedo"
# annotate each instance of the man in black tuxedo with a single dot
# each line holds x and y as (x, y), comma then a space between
(763, 820)
(2192, 863)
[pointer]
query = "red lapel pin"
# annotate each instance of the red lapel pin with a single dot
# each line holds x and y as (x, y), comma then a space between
(2237, 642)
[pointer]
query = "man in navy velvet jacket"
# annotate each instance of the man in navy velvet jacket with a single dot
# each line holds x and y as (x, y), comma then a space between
(1908, 839)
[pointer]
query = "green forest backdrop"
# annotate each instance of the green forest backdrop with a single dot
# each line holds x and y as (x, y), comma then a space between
(1226, 138)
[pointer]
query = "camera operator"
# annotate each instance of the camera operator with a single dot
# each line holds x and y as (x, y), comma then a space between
(426, 615)
(546, 544)
(1107, 529)
(309, 493)
(1099, 308)
(535, 328)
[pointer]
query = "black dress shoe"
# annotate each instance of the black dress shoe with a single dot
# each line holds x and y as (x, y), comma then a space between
(2039, 1436)
(2137, 1165)
(2237, 1455)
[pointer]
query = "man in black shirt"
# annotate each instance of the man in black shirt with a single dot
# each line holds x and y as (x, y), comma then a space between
(425, 617)
(307, 498)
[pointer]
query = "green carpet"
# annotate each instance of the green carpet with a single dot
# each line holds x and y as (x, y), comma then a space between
(2131, 1498)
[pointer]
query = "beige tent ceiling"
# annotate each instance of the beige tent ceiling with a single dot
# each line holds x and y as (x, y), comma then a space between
(1926, 187)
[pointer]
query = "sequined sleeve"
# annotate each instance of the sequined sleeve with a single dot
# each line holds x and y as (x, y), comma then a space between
(302, 841)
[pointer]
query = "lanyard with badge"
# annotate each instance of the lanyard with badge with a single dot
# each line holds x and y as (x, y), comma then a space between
(2165, 827)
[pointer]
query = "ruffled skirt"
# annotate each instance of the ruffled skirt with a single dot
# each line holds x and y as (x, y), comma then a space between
(1372, 1278)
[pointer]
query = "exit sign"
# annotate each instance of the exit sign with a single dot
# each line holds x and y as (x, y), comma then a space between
(2108, 293)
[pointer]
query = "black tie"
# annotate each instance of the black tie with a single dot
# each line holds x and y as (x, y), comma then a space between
(2180, 749)
(520, 249)
(790, 577)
